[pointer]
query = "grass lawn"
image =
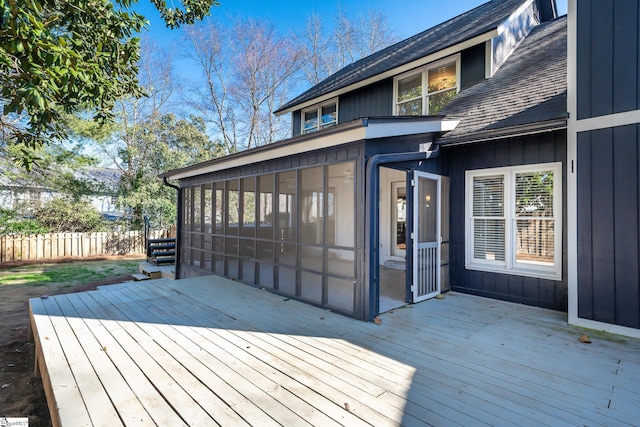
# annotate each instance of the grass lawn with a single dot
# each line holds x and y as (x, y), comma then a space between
(66, 275)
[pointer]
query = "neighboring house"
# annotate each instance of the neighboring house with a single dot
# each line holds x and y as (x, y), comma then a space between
(14, 193)
(442, 158)
(21, 191)
(105, 183)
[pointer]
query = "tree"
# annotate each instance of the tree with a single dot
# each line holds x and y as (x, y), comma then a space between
(247, 67)
(64, 56)
(351, 39)
(59, 171)
(160, 144)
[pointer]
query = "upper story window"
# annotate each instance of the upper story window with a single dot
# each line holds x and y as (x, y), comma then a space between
(320, 116)
(427, 90)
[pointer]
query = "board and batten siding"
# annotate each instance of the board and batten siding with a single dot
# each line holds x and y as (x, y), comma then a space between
(605, 137)
(608, 44)
(533, 149)
(608, 230)
(376, 99)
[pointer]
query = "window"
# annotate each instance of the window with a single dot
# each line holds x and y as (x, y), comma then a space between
(514, 220)
(427, 90)
(320, 116)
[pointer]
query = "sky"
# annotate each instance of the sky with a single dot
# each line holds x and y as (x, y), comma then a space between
(406, 18)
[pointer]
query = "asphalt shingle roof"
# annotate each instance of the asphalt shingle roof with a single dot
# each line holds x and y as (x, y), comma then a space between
(475, 22)
(530, 87)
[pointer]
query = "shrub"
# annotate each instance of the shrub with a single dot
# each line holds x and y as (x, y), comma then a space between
(12, 223)
(70, 216)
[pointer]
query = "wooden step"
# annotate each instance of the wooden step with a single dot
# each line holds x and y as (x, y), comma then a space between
(139, 277)
(152, 273)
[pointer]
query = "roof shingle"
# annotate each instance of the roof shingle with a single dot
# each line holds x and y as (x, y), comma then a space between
(530, 87)
(481, 20)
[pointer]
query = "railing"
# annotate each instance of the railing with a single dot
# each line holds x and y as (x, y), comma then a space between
(16, 247)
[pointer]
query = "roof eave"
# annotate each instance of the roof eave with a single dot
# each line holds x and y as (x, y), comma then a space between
(357, 130)
(451, 50)
(508, 132)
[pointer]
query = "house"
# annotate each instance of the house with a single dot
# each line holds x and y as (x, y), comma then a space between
(18, 190)
(440, 163)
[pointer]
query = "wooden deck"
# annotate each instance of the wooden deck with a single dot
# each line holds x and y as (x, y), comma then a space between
(209, 351)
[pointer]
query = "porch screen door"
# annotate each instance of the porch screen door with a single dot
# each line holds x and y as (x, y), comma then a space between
(426, 236)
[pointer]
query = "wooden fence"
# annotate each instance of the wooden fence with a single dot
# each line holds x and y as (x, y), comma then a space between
(17, 247)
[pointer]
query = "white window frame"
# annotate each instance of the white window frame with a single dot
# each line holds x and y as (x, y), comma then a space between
(510, 265)
(424, 75)
(318, 109)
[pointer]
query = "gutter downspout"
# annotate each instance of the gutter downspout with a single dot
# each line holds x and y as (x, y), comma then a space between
(178, 222)
(372, 222)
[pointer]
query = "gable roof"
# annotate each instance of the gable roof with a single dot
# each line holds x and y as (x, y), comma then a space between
(479, 24)
(528, 93)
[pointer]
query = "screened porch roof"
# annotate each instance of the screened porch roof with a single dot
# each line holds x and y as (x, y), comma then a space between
(357, 130)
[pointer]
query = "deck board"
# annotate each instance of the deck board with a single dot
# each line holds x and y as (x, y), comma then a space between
(209, 351)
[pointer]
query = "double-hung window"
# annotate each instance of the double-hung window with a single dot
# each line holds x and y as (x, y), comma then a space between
(514, 220)
(320, 116)
(427, 90)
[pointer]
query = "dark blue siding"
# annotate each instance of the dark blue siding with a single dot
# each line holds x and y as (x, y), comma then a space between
(472, 65)
(608, 230)
(296, 123)
(608, 72)
(549, 147)
(375, 100)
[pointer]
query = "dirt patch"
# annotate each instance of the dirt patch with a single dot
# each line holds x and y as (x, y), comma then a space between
(22, 393)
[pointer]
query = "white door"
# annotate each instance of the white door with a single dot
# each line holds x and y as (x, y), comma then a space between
(426, 236)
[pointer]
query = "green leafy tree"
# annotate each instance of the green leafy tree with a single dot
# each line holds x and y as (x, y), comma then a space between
(64, 56)
(61, 169)
(161, 143)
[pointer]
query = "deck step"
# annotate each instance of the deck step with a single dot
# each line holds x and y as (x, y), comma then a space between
(139, 277)
(161, 251)
(152, 273)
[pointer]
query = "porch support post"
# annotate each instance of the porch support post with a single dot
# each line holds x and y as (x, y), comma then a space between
(372, 223)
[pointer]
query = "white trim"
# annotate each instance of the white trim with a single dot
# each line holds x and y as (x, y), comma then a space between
(572, 165)
(510, 265)
(395, 71)
(606, 327)
(608, 121)
(368, 131)
(424, 73)
(488, 61)
(505, 24)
